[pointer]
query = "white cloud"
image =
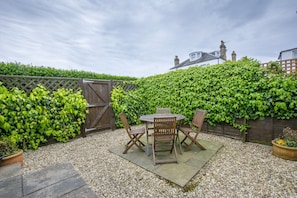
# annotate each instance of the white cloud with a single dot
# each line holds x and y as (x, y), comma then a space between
(141, 38)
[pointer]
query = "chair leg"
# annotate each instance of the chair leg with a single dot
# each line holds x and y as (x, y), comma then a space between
(154, 154)
(134, 141)
(197, 143)
(177, 139)
(138, 139)
(194, 141)
(173, 148)
(184, 139)
(175, 153)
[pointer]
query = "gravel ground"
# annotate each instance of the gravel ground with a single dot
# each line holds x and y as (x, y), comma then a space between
(238, 170)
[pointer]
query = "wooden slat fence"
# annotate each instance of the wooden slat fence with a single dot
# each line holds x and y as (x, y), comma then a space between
(28, 83)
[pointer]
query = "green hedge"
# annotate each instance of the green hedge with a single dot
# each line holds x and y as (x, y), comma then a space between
(228, 91)
(30, 120)
(29, 70)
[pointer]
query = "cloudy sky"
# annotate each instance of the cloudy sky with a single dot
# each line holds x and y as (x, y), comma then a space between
(140, 38)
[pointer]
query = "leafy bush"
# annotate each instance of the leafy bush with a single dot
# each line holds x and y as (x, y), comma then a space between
(29, 70)
(229, 92)
(7, 147)
(30, 120)
(288, 138)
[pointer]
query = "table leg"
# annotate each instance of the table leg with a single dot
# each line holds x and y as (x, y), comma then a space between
(178, 142)
(146, 131)
(177, 137)
(147, 147)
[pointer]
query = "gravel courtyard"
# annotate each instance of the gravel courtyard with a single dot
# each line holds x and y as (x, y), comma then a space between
(238, 169)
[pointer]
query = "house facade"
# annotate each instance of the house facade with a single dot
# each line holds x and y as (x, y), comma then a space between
(287, 60)
(200, 58)
(288, 54)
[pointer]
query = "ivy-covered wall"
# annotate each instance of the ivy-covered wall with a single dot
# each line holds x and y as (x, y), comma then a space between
(228, 91)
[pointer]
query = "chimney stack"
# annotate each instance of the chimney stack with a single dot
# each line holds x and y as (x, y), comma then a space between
(176, 61)
(233, 56)
(223, 50)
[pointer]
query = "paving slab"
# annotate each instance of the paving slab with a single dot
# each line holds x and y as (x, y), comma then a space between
(10, 170)
(189, 162)
(59, 189)
(47, 176)
(60, 180)
(83, 192)
(11, 181)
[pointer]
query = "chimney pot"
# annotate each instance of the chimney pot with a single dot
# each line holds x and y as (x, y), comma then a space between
(176, 61)
(233, 56)
(223, 50)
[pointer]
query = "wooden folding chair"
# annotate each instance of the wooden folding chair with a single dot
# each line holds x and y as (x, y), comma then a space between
(164, 139)
(193, 131)
(134, 134)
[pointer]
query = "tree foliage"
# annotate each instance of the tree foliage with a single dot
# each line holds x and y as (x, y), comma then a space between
(29, 70)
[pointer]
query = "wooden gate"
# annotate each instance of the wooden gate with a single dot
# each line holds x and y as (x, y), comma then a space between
(100, 115)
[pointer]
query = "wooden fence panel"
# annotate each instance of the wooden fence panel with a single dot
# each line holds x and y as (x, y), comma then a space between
(222, 130)
(260, 131)
(28, 83)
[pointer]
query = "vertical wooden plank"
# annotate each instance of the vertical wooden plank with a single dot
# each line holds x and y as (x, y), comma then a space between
(261, 131)
(83, 88)
(111, 113)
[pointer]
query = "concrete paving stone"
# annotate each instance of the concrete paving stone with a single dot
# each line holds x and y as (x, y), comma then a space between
(60, 180)
(59, 189)
(11, 181)
(83, 192)
(10, 170)
(179, 174)
(47, 176)
(11, 187)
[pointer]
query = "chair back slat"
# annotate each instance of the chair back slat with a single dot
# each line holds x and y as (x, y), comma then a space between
(198, 118)
(125, 121)
(165, 126)
(163, 111)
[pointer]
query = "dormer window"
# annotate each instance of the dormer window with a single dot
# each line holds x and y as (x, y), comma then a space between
(217, 53)
(195, 56)
(294, 54)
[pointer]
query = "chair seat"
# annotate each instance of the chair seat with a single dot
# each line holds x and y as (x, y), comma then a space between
(137, 131)
(186, 129)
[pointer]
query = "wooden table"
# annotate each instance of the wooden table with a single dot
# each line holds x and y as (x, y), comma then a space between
(150, 119)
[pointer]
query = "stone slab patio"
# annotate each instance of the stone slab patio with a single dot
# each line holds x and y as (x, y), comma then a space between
(189, 162)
